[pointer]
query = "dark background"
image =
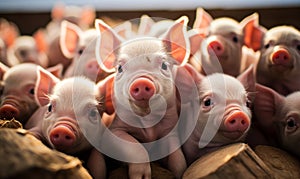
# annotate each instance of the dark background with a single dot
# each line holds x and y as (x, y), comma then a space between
(268, 17)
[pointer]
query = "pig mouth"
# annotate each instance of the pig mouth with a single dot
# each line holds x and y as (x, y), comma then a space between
(233, 135)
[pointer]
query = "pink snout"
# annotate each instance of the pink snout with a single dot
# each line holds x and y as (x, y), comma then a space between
(236, 124)
(142, 89)
(62, 136)
(215, 47)
(281, 57)
(92, 67)
(8, 111)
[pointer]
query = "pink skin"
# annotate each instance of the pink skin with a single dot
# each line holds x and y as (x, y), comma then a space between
(221, 92)
(278, 65)
(77, 44)
(142, 75)
(225, 41)
(58, 124)
(17, 91)
(279, 124)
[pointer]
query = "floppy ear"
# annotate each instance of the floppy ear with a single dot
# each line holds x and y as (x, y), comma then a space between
(177, 42)
(107, 43)
(202, 20)
(40, 39)
(44, 85)
(266, 105)
(247, 78)
(124, 29)
(56, 70)
(253, 32)
(146, 23)
(69, 38)
(105, 88)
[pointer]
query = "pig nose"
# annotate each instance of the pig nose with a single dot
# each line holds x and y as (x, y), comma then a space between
(62, 136)
(238, 121)
(215, 47)
(281, 57)
(142, 89)
(8, 111)
(92, 67)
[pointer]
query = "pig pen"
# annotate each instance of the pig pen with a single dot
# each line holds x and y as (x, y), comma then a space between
(23, 156)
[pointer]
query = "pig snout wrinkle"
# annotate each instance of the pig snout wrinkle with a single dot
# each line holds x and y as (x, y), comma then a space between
(142, 89)
(215, 47)
(62, 136)
(8, 111)
(281, 57)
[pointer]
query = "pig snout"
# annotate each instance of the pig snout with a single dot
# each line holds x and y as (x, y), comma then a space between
(281, 57)
(92, 67)
(236, 124)
(62, 136)
(8, 111)
(142, 89)
(215, 47)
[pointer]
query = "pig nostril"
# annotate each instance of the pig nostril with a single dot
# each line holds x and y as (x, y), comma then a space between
(147, 89)
(243, 122)
(67, 137)
(136, 90)
(232, 121)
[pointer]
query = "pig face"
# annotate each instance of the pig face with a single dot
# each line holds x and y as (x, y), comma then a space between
(278, 116)
(78, 44)
(278, 65)
(224, 100)
(224, 40)
(71, 110)
(17, 92)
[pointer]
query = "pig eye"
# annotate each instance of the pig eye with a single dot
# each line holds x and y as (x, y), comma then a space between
(207, 102)
(267, 46)
(93, 115)
(235, 39)
(164, 65)
(120, 69)
(291, 124)
(80, 51)
(31, 91)
(49, 107)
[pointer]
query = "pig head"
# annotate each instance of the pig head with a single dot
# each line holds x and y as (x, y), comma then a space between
(278, 65)
(224, 115)
(226, 43)
(144, 95)
(17, 91)
(79, 46)
(278, 117)
(68, 110)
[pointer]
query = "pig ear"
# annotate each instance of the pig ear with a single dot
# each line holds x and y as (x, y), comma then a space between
(88, 15)
(202, 20)
(40, 39)
(105, 88)
(3, 70)
(146, 23)
(253, 32)
(247, 78)
(57, 12)
(107, 43)
(56, 70)
(177, 42)
(44, 85)
(265, 104)
(69, 38)
(195, 36)
(123, 29)
(9, 32)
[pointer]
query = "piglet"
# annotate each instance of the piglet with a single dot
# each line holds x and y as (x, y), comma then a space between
(226, 42)
(278, 118)
(144, 96)
(68, 112)
(18, 89)
(79, 46)
(224, 115)
(278, 65)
